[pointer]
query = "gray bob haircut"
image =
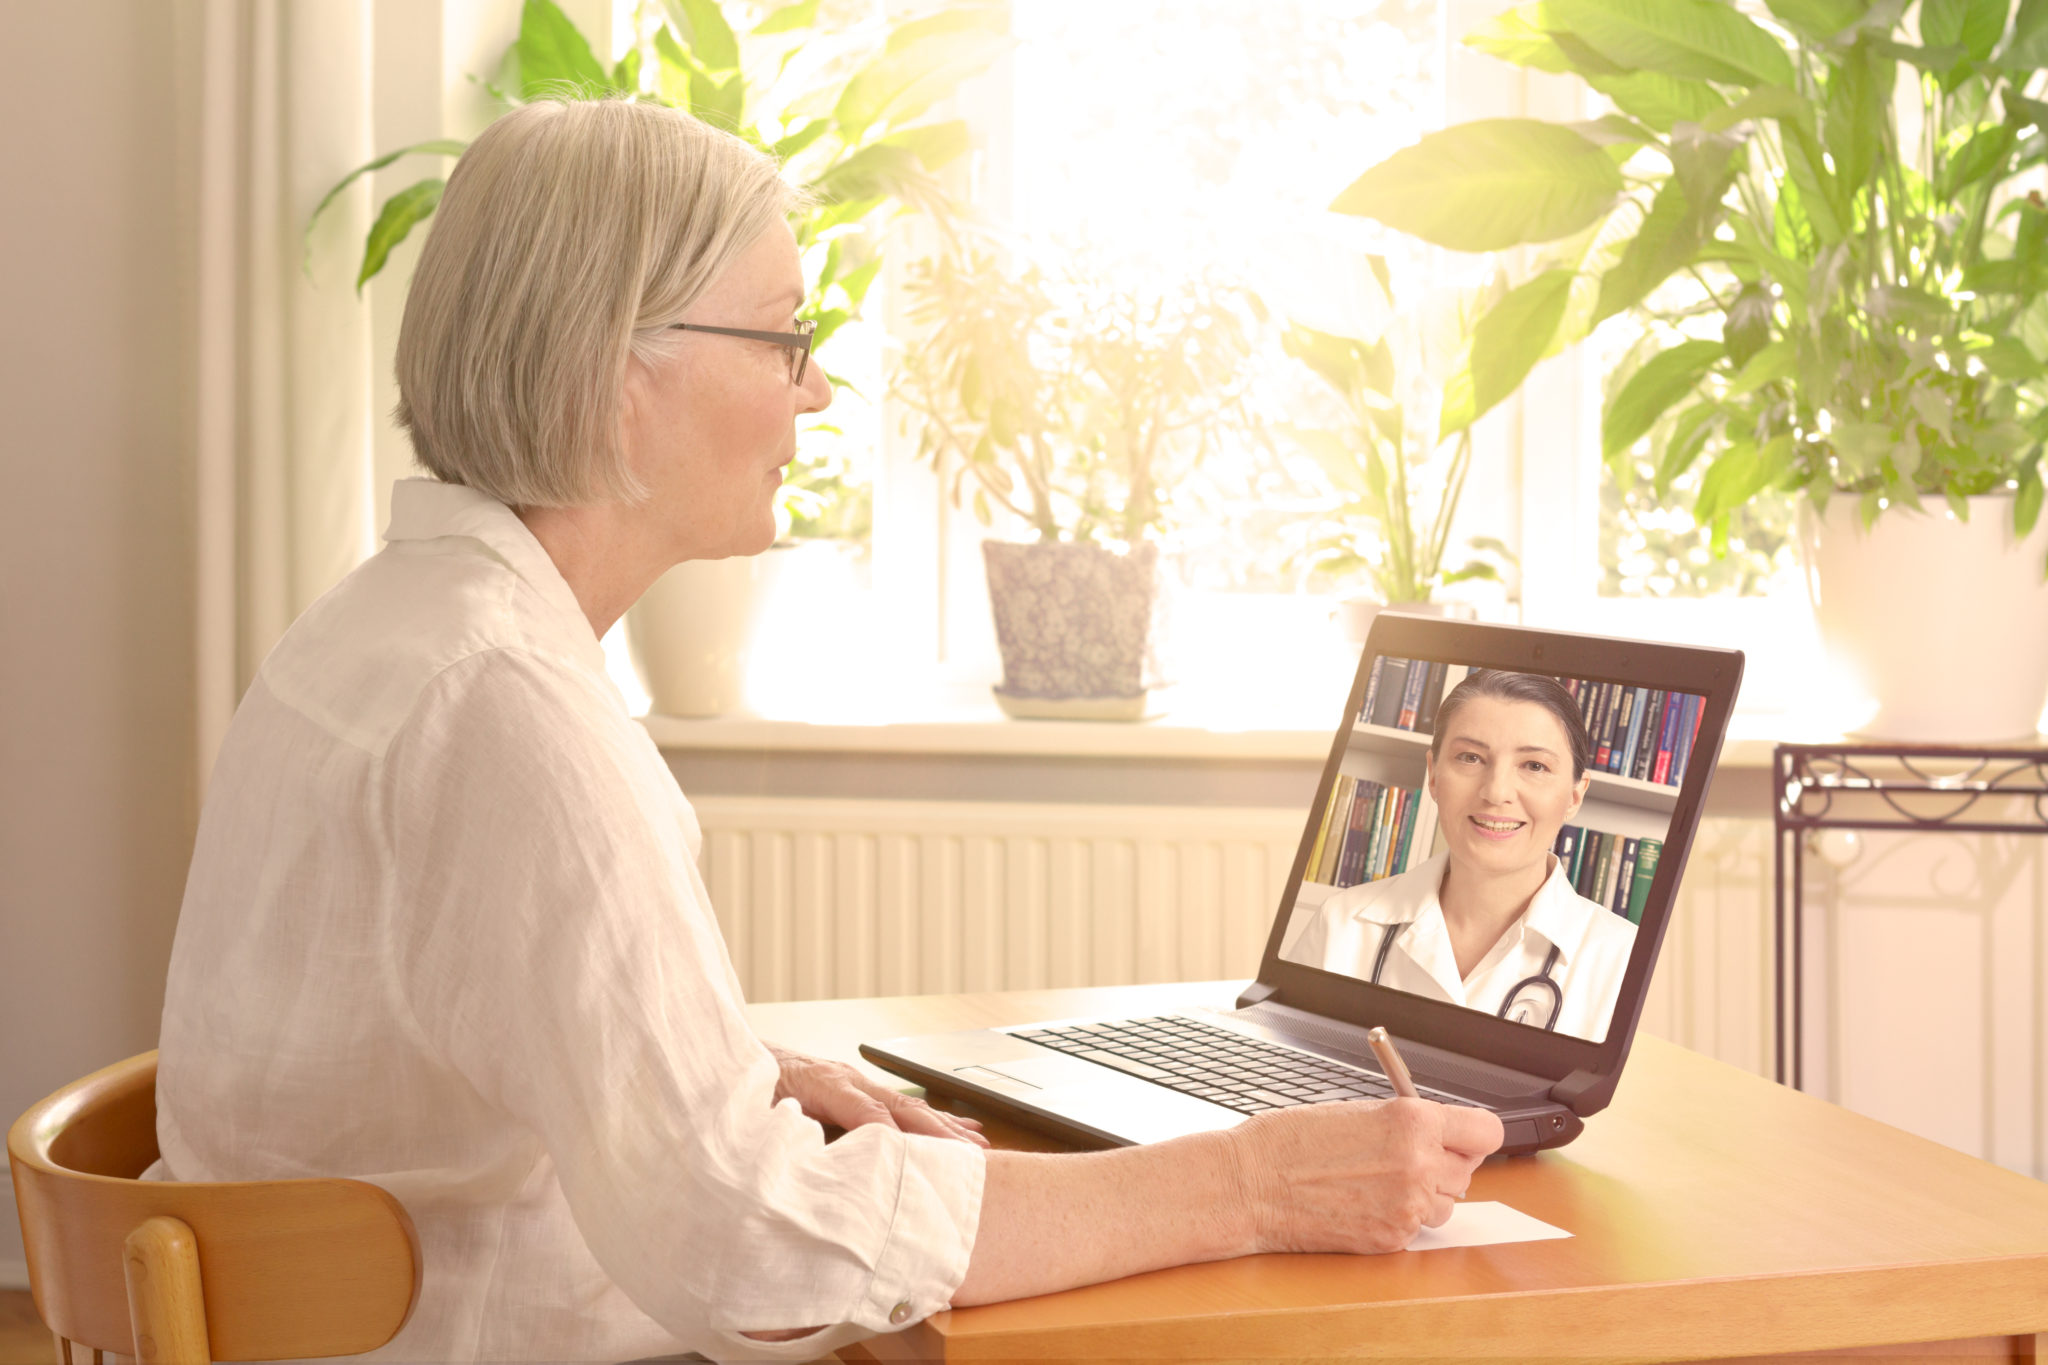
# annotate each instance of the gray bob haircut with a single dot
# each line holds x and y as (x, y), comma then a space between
(571, 234)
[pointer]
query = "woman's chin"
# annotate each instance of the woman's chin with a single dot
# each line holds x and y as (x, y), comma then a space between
(1498, 855)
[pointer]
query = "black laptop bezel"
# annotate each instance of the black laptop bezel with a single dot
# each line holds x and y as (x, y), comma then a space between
(1585, 1070)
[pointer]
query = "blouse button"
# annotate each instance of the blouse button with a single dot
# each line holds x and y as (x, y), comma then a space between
(900, 1314)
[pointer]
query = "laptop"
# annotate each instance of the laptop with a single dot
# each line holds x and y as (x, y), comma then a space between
(1535, 1027)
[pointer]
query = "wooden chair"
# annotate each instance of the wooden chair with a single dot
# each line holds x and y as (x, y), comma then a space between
(190, 1273)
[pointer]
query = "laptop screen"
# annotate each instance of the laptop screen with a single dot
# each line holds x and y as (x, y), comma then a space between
(1492, 836)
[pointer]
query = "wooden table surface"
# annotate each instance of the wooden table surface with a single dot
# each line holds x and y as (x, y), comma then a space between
(1714, 1215)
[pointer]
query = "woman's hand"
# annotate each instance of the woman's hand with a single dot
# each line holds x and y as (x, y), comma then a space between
(833, 1092)
(1361, 1176)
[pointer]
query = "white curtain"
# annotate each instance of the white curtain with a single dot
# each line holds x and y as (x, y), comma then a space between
(283, 409)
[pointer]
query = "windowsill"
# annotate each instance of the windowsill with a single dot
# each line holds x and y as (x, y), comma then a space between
(961, 723)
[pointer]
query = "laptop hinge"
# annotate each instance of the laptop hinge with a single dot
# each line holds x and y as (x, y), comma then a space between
(1258, 993)
(1583, 1090)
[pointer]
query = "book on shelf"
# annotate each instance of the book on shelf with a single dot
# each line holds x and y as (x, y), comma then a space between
(1369, 831)
(1404, 694)
(1386, 703)
(1645, 746)
(1372, 689)
(1641, 733)
(1612, 870)
(1647, 852)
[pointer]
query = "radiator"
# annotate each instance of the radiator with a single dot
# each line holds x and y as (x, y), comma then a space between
(825, 898)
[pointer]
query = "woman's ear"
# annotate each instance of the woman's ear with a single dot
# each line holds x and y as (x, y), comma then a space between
(1579, 791)
(1429, 771)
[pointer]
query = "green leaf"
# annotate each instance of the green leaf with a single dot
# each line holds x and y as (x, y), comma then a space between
(1855, 108)
(1934, 408)
(1488, 185)
(1670, 236)
(1769, 101)
(1973, 25)
(877, 171)
(702, 26)
(2027, 47)
(2006, 277)
(1774, 362)
(1934, 60)
(1821, 19)
(933, 144)
(1333, 454)
(1664, 379)
(402, 212)
(1862, 447)
(1347, 364)
(719, 102)
(923, 61)
(1689, 436)
(804, 136)
(1982, 158)
(2026, 505)
(1746, 330)
(1816, 187)
(1517, 37)
(1659, 100)
(1695, 39)
(2007, 357)
(789, 18)
(440, 146)
(626, 72)
(1742, 472)
(1512, 336)
(555, 60)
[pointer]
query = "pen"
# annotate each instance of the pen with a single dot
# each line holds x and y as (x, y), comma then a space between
(1391, 1063)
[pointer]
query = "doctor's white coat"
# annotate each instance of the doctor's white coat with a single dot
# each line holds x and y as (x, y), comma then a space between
(1594, 944)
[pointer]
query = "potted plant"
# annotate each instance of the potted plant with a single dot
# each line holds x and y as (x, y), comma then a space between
(1835, 301)
(1073, 407)
(1395, 475)
(846, 111)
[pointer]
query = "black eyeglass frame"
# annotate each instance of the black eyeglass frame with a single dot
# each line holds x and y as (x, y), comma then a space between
(799, 341)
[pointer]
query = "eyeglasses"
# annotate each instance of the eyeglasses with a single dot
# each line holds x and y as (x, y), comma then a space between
(798, 342)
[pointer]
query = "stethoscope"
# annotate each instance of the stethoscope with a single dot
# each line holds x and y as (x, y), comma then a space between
(1517, 1008)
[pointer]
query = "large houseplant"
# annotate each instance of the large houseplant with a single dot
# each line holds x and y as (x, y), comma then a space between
(1835, 300)
(1073, 408)
(1395, 481)
(847, 112)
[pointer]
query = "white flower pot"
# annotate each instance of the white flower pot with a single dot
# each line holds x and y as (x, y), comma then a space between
(689, 636)
(1942, 624)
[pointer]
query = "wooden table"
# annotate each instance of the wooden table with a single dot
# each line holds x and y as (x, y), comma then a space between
(1714, 1214)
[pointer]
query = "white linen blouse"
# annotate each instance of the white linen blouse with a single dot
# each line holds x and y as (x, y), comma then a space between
(444, 931)
(1594, 943)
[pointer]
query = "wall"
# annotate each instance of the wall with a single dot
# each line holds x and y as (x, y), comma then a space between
(96, 703)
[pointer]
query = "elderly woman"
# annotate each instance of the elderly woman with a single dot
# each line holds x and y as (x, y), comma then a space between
(1493, 922)
(444, 928)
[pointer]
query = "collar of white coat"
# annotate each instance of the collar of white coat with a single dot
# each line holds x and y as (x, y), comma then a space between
(428, 509)
(1557, 912)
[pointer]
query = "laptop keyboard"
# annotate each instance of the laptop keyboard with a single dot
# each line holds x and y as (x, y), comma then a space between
(1218, 1065)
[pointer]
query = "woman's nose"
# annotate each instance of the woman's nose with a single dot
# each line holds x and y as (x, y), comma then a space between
(1498, 788)
(815, 393)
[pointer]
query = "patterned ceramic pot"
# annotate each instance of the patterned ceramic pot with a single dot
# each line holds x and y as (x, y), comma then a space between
(1076, 626)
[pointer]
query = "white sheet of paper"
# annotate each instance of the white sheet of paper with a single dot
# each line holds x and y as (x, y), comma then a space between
(1485, 1224)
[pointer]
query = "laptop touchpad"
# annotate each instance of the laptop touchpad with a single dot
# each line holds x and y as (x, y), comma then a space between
(1000, 1082)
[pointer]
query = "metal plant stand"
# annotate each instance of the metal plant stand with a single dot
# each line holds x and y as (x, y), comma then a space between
(1879, 787)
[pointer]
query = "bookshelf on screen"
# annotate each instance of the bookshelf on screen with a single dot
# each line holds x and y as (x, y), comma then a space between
(1380, 821)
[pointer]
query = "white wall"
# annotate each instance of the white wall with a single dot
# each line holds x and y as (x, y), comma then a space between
(96, 704)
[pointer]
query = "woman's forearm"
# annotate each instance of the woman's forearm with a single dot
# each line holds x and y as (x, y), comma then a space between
(1360, 1176)
(1051, 1222)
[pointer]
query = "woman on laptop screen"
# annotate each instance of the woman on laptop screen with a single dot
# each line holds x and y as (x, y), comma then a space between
(1492, 921)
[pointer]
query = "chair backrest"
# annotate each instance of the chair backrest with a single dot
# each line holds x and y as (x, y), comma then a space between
(287, 1268)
